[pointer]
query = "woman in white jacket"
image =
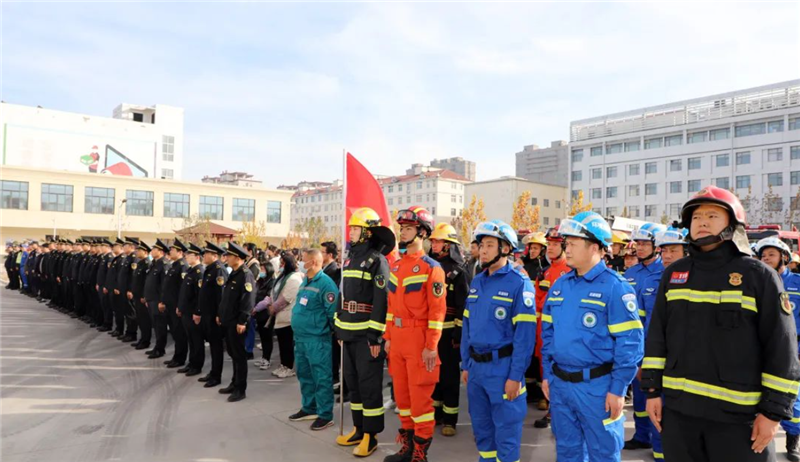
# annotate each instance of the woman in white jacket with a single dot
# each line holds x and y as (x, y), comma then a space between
(284, 293)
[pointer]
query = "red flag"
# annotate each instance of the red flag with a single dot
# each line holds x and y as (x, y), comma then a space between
(363, 190)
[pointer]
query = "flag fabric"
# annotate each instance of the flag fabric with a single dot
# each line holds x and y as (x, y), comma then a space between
(363, 190)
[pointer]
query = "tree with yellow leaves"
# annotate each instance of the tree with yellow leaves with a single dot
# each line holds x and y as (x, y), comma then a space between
(469, 219)
(525, 215)
(253, 232)
(293, 240)
(576, 206)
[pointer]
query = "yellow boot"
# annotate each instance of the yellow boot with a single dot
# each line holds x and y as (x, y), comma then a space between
(367, 446)
(350, 439)
(448, 430)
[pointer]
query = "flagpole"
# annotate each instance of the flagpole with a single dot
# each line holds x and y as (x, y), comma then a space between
(341, 290)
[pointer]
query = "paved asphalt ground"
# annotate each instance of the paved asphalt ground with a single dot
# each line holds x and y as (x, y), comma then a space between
(70, 393)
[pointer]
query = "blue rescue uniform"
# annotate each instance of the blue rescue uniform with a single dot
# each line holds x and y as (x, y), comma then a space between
(791, 283)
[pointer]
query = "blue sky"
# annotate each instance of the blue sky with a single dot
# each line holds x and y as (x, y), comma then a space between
(279, 89)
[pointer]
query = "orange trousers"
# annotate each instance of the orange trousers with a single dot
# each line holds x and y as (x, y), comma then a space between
(413, 384)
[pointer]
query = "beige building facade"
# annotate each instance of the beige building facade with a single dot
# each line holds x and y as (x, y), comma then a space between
(500, 195)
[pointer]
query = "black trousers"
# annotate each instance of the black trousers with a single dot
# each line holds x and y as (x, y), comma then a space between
(131, 318)
(99, 311)
(194, 339)
(215, 336)
(160, 321)
(107, 300)
(78, 299)
(145, 321)
(178, 336)
(120, 305)
(238, 354)
(265, 334)
(286, 345)
(446, 393)
(363, 375)
(689, 439)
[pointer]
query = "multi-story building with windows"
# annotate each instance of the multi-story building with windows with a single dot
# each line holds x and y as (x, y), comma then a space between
(648, 162)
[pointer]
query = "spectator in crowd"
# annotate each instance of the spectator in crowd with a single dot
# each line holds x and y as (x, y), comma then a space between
(264, 324)
(284, 293)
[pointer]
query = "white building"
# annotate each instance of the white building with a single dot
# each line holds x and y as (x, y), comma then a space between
(651, 160)
(500, 195)
(439, 191)
(138, 141)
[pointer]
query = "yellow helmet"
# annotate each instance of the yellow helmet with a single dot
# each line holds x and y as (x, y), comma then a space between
(619, 237)
(445, 232)
(534, 238)
(365, 217)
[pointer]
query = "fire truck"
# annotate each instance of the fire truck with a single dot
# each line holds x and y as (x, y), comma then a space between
(791, 238)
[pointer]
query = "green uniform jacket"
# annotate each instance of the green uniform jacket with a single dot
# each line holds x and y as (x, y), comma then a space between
(312, 314)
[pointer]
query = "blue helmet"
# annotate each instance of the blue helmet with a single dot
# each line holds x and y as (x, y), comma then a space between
(499, 229)
(647, 232)
(672, 236)
(587, 225)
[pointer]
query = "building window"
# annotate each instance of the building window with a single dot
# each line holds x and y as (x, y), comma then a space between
(15, 195)
(719, 134)
(631, 146)
(611, 211)
(775, 126)
(693, 186)
(775, 179)
(722, 182)
(794, 124)
(56, 197)
(546, 221)
(99, 200)
(633, 169)
(650, 189)
(751, 129)
(167, 173)
(597, 193)
(775, 155)
(399, 201)
(243, 210)
(597, 173)
(139, 203)
(168, 148)
(611, 172)
(534, 200)
(399, 188)
(577, 175)
(546, 202)
(675, 165)
(697, 137)
(633, 190)
(694, 163)
(674, 210)
(419, 185)
(650, 211)
(650, 168)
(391, 188)
(742, 181)
(577, 155)
(596, 151)
(674, 140)
(452, 212)
(794, 203)
(176, 205)
(273, 211)
(452, 198)
(614, 148)
(558, 204)
(212, 207)
(795, 178)
(633, 211)
(723, 160)
(743, 158)
(558, 221)
(675, 187)
(576, 193)
(390, 201)
(419, 197)
(773, 204)
(794, 152)
(611, 192)
(653, 143)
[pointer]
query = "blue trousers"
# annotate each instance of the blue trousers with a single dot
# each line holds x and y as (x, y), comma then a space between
(496, 421)
(644, 428)
(792, 427)
(583, 429)
(250, 338)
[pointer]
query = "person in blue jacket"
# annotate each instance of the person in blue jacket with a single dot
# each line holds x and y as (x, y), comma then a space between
(649, 269)
(776, 254)
(592, 343)
(497, 340)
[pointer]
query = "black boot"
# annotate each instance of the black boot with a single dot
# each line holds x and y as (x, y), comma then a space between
(421, 446)
(633, 444)
(405, 439)
(792, 452)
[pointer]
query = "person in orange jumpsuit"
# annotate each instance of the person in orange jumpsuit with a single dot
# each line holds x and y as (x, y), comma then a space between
(558, 267)
(417, 308)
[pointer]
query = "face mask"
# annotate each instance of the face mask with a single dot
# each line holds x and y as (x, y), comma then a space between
(262, 275)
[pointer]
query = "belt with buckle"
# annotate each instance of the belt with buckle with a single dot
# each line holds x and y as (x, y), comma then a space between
(406, 322)
(354, 307)
(577, 377)
(502, 352)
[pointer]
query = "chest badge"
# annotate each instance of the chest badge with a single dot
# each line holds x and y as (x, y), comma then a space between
(679, 277)
(415, 269)
(500, 313)
(133, 266)
(735, 279)
(589, 320)
(200, 283)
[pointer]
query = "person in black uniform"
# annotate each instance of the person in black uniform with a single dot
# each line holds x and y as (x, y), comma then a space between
(111, 287)
(170, 290)
(446, 249)
(360, 323)
(100, 285)
(238, 300)
(84, 270)
(187, 307)
(124, 277)
(76, 298)
(152, 296)
(9, 264)
(136, 295)
(330, 252)
(208, 302)
(722, 346)
(91, 283)
(44, 287)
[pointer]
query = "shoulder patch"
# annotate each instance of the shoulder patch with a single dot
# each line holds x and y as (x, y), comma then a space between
(438, 289)
(630, 302)
(330, 297)
(380, 281)
(248, 287)
(220, 281)
(786, 305)
(183, 275)
(528, 298)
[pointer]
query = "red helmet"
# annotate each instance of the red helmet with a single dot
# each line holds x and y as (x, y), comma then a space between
(717, 196)
(416, 215)
(553, 235)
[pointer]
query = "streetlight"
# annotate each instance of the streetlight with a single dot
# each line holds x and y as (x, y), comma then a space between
(119, 218)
